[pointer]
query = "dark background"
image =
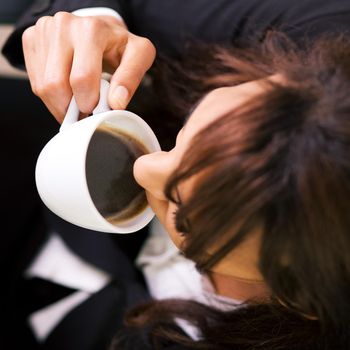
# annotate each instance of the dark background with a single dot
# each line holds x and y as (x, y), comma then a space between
(11, 9)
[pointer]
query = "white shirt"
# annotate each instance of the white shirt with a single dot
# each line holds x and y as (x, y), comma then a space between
(168, 274)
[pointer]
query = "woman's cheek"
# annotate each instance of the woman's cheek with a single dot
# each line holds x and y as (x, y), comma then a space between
(164, 211)
(159, 207)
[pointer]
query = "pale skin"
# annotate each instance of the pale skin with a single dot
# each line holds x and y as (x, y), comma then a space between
(66, 54)
(237, 275)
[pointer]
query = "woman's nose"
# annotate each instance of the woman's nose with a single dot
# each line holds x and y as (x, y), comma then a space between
(152, 171)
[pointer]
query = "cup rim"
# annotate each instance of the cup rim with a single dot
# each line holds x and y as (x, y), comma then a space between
(141, 219)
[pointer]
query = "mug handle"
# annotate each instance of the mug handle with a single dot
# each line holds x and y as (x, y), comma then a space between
(72, 114)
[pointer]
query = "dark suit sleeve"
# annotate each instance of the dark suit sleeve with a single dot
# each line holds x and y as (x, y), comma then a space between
(12, 49)
(170, 24)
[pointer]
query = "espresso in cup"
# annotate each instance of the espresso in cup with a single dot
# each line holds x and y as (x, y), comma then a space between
(109, 173)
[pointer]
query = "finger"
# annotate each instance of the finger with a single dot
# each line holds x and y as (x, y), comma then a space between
(29, 53)
(34, 50)
(86, 70)
(57, 91)
(137, 58)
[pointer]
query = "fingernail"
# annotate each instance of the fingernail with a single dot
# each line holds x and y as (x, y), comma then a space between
(121, 95)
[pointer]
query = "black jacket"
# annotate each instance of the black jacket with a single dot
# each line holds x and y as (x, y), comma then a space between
(168, 24)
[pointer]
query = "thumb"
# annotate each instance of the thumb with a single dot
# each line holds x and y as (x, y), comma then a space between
(136, 59)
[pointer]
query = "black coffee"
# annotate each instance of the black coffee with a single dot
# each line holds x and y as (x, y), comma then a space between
(109, 172)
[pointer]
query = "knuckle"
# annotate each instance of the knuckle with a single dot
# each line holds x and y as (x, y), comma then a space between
(39, 89)
(62, 17)
(34, 88)
(93, 30)
(53, 84)
(149, 45)
(146, 45)
(42, 21)
(49, 86)
(80, 79)
(92, 25)
(28, 35)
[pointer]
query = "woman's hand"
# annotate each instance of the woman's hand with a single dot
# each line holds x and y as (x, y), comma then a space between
(66, 54)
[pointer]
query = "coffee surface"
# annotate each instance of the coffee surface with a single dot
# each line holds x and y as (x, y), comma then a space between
(109, 172)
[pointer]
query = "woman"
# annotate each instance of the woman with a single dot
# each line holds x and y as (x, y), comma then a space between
(256, 192)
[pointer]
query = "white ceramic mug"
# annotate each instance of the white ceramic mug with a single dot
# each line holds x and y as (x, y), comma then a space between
(60, 172)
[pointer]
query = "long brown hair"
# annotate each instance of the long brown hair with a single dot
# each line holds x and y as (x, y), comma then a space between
(280, 163)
